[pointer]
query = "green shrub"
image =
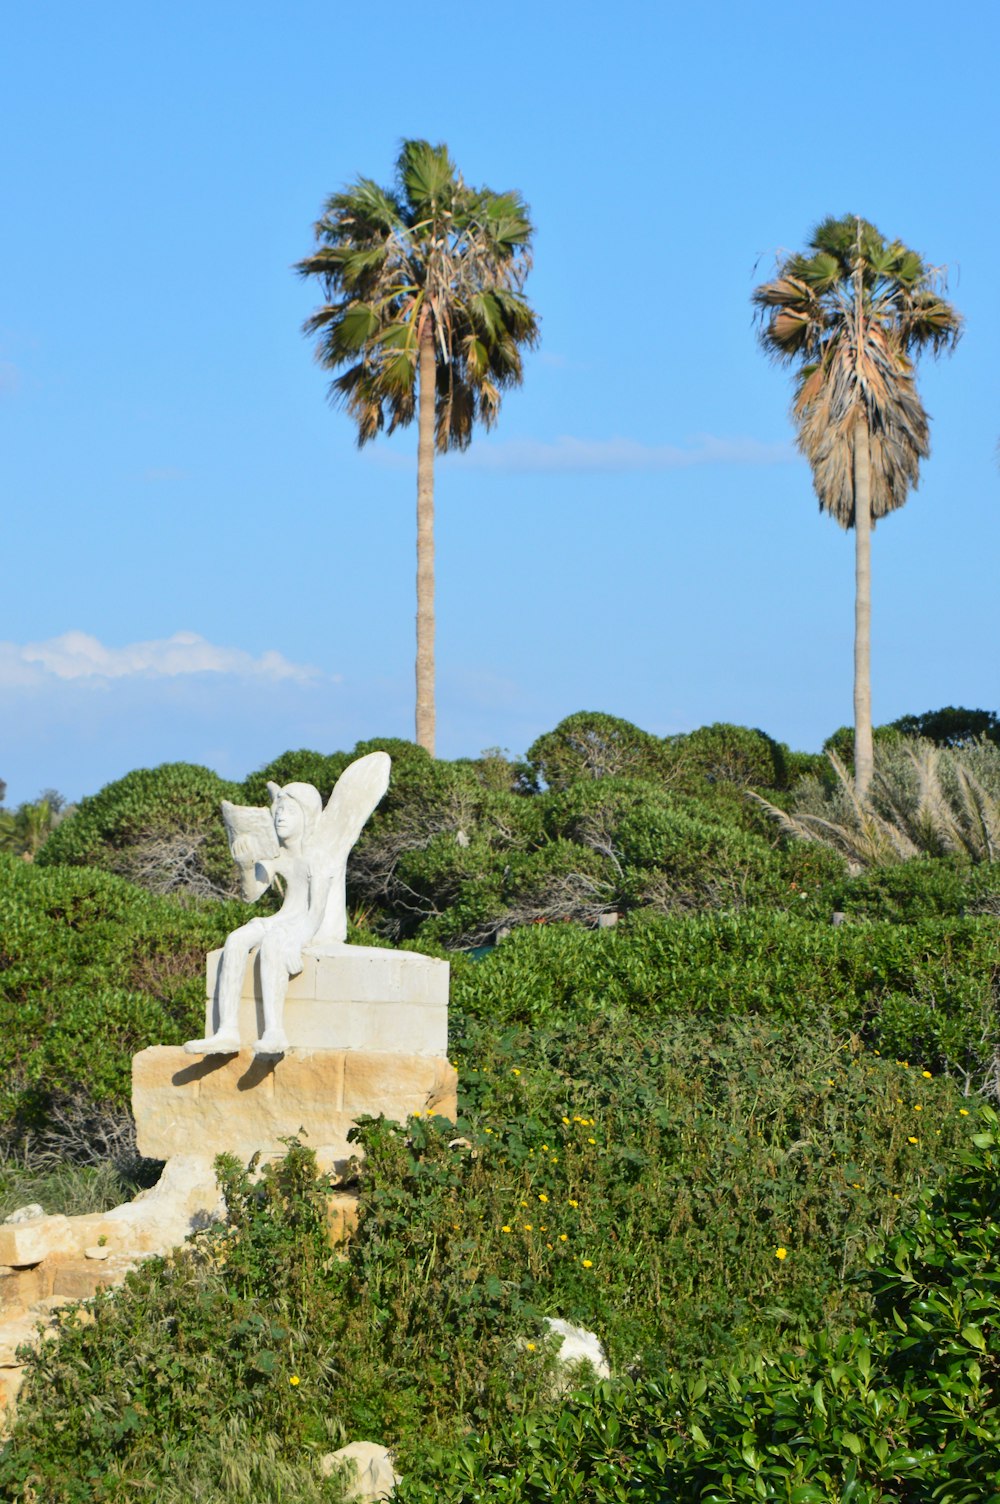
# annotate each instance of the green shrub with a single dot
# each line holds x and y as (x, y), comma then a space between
(906, 1407)
(923, 888)
(159, 827)
(590, 744)
(317, 768)
(953, 726)
(723, 753)
(841, 744)
(235, 1331)
(92, 969)
(634, 1179)
(772, 964)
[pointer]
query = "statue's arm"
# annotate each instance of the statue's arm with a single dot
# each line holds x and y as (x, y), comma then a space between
(320, 886)
(254, 845)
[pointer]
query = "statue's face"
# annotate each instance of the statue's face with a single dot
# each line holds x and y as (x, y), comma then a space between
(289, 821)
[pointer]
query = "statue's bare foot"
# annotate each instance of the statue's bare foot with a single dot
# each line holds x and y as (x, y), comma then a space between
(271, 1042)
(216, 1044)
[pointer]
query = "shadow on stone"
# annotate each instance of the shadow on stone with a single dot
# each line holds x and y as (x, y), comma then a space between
(257, 1071)
(200, 1069)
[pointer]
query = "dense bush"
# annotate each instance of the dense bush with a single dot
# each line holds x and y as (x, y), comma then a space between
(923, 888)
(906, 1407)
(590, 744)
(92, 969)
(639, 1180)
(952, 726)
(722, 753)
(924, 991)
(160, 827)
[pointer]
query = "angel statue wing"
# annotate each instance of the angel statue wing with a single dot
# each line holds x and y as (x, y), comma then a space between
(252, 839)
(356, 793)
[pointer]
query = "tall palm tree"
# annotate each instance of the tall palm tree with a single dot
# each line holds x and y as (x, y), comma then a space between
(855, 310)
(425, 310)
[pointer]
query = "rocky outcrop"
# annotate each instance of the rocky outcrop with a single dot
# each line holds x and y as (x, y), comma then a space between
(367, 1468)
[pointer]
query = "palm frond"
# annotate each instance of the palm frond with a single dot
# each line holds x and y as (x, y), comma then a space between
(855, 311)
(433, 248)
(923, 801)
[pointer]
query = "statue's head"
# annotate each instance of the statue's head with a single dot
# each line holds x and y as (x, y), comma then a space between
(296, 808)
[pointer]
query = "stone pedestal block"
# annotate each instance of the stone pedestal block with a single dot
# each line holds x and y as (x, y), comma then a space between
(350, 997)
(245, 1103)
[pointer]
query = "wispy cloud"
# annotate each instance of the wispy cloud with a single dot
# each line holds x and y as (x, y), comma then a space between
(572, 454)
(82, 658)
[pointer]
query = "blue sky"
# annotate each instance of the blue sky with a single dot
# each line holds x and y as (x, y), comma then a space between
(201, 565)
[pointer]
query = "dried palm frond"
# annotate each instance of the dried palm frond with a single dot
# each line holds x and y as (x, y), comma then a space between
(855, 312)
(923, 801)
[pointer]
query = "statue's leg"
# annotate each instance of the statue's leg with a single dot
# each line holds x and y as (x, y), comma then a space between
(273, 985)
(235, 952)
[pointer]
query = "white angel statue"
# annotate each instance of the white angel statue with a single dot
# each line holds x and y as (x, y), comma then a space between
(307, 846)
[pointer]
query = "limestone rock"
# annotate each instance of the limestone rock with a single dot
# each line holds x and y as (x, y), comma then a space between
(11, 1380)
(27, 1213)
(21, 1331)
(370, 1468)
(26, 1243)
(20, 1288)
(80, 1278)
(184, 1199)
(576, 1346)
(341, 1215)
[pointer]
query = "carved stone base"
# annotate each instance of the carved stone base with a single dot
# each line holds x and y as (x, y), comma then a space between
(244, 1104)
(350, 997)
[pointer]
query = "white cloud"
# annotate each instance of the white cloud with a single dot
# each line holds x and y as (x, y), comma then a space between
(572, 454)
(80, 657)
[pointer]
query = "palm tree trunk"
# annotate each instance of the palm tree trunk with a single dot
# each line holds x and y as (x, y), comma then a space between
(864, 758)
(425, 542)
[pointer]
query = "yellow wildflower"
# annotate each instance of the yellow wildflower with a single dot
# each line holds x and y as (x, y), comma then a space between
(505, 1228)
(927, 1075)
(587, 1263)
(911, 1139)
(294, 1379)
(563, 1236)
(574, 1204)
(963, 1112)
(542, 1196)
(530, 1346)
(781, 1253)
